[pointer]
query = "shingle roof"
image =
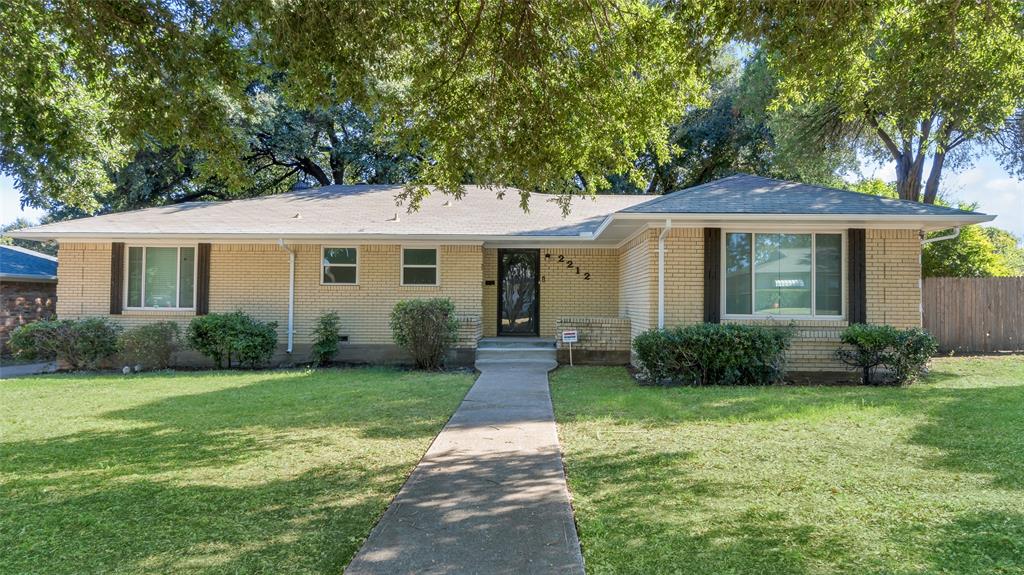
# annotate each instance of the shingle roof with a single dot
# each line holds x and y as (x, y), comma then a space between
(746, 194)
(363, 209)
(371, 211)
(24, 264)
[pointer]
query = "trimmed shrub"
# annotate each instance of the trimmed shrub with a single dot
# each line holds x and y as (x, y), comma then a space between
(713, 354)
(236, 337)
(82, 344)
(326, 337)
(426, 328)
(150, 346)
(904, 354)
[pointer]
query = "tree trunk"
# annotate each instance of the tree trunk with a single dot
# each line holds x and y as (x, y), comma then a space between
(908, 177)
(310, 168)
(931, 189)
(335, 157)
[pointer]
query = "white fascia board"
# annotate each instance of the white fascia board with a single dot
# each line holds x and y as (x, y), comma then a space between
(926, 222)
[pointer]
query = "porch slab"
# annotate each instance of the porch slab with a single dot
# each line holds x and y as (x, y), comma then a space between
(490, 495)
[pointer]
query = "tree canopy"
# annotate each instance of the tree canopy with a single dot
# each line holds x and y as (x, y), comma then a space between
(112, 104)
(915, 82)
(534, 95)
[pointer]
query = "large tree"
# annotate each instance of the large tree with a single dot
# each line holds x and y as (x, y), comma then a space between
(925, 84)
(737, 132)
(538, 95)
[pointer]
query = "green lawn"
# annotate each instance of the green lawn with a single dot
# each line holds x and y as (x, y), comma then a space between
(213, 472)
(925, 479)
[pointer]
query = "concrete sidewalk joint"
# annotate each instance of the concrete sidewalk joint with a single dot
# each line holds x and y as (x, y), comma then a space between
(490, 495)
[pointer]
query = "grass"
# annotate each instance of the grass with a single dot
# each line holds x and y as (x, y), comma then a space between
(209, 472)
(815, 480)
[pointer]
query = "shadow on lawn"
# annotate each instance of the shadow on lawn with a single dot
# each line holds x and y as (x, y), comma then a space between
(95, 501)
(971, 430)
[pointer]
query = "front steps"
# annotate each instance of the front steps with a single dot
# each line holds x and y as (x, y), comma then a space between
(516, 350)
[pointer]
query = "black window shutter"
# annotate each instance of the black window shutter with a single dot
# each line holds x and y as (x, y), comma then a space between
(857, 292)
(712, 275)
(116, 278)
(203, 279)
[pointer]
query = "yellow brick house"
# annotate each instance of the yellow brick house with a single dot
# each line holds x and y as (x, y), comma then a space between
(740, 249)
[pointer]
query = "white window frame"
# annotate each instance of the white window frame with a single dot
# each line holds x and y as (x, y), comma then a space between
(753, 231)
(436, 266)
(177, 276)
(324, 266)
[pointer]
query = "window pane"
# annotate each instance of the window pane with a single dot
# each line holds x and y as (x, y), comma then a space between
(737, 273)
(419, 276)
(418, 257)
(340, 275)
(339, 256)
(161, 277)
(186, 274)
(828, 270)
(782, 265)
(134, 277)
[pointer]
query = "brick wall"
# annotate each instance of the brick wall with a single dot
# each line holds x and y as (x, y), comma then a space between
(638, 282)
(894, 277)
(22, 303)
(684, 277)
(563, 291)
(254, 278)
(596, 333)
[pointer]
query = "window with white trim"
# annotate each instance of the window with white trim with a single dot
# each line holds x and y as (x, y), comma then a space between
(419, 266)
(160, 277)
(783, 274)
(340, 265)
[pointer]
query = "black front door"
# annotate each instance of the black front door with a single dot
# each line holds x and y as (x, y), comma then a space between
(519, 292)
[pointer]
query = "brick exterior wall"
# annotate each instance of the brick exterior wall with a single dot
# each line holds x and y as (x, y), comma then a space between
(24, 302)
(563, 291)
(254, 278)
(596, 333)
(622, 291)
(894, 277)
(893, 290)
(638, 282)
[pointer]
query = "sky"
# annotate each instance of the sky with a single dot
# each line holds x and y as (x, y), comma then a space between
(986, 183)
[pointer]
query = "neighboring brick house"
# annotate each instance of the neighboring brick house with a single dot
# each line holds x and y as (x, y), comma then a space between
(28, 289)
(741, 249)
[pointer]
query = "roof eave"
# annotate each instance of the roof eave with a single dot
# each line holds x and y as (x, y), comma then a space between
(28, 278)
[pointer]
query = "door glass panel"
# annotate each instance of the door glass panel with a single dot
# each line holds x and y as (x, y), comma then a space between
(518, 296)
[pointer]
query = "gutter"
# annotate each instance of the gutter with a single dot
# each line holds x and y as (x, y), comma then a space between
(291, 293)
(661, 272)
(27, 278)
(951, 236)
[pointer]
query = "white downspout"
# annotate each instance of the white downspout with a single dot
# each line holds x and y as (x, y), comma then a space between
(291, 293)
(956, 232)
(661, 273)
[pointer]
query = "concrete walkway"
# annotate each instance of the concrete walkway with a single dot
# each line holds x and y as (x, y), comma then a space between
(489, 496)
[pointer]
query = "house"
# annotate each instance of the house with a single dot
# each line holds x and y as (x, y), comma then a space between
(741, 249)
(28, 289)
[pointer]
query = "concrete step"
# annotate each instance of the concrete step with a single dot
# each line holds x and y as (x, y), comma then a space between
(516, 353)
(515, 343)
(548, 364)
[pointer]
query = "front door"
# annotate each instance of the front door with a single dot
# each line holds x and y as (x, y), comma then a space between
(519, 292)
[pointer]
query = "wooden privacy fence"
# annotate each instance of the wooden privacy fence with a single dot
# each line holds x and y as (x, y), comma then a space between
(979, 315)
